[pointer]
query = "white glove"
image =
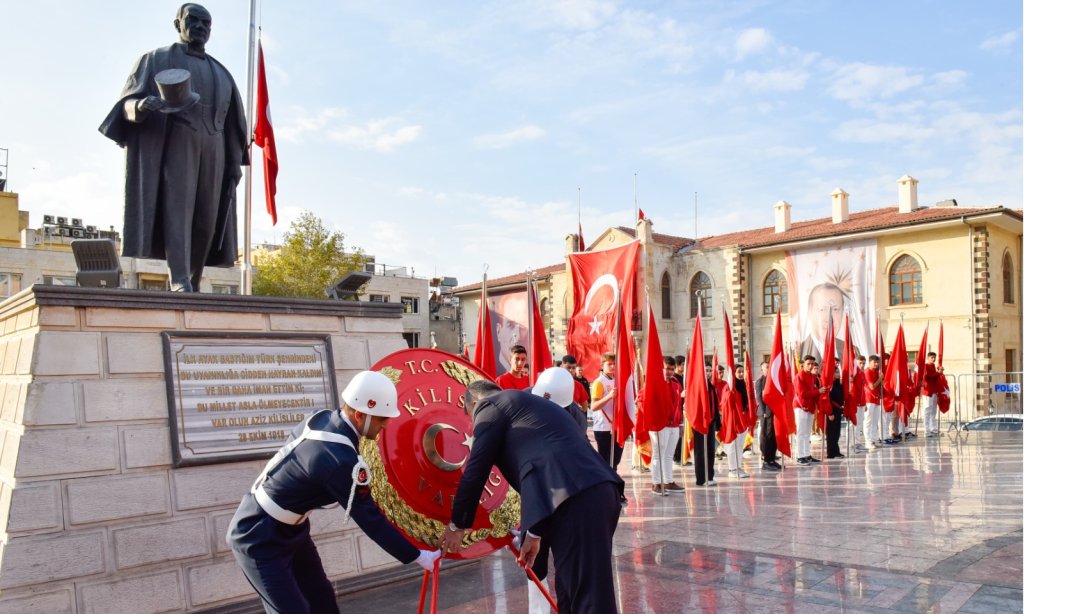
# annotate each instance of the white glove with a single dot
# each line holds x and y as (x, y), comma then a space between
(517, 538)
(426, 560)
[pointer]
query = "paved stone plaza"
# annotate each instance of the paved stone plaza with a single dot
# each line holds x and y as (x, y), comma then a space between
(931, 525)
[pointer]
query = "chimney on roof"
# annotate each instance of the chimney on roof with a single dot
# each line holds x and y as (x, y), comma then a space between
(909, 193)
(571, 244)
(839, 206)
(644, 230)
(782, 216)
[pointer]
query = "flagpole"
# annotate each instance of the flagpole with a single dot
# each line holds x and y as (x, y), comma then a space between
(530, 300)
(247, 269)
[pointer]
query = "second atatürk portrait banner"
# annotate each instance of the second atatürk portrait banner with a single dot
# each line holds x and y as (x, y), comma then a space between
(236, 396)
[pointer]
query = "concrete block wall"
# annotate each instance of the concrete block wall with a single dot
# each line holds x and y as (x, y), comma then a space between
(93, 516)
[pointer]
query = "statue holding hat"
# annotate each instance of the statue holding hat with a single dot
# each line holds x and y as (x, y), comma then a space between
(182, 123)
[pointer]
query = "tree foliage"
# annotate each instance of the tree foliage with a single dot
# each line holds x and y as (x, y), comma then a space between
(311, 258)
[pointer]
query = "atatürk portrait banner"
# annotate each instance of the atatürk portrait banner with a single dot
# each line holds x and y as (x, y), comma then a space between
(236, 396)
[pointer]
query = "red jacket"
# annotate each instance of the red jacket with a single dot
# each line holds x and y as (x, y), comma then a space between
(871, 395)
(507, 381)
(858, 386)
(675, 386)
(931, 380)
(806, 391)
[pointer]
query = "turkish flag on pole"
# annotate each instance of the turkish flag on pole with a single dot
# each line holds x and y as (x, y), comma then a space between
(484, 352)
(828, 373)
(657, 396)
(943, 384)
(848, 374)
(624, 403)
(582, 248)
(897, 384)
(642, 216)
(540, 355)
(750, 388)
(734, 417)
(601, 281)
(778, 391)
(263, 137)
(917, 375)
(697, 403)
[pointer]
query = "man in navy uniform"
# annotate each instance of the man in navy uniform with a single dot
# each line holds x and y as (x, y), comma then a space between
(270, 533)
(569, 493)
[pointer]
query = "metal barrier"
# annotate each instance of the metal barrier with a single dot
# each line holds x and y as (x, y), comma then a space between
(974, 395)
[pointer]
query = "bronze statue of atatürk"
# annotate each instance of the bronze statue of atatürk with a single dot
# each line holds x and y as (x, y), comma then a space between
(182, 123)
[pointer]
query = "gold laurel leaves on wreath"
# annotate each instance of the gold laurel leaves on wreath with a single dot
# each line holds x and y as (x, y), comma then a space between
(394, 375)
(460, 373)
(422, 528)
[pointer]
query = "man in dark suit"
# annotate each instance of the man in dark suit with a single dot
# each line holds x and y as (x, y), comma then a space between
(768, 449)
(569, 493)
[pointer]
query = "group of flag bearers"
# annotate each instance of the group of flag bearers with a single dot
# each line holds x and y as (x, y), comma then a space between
(714, 405)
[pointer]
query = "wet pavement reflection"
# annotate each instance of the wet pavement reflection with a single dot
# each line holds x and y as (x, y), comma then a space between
(931, 525)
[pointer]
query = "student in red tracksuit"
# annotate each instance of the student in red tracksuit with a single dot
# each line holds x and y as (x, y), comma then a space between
(806, 393)
(518, 376)
(931, 390)
(858, 391)
(663, 442)
(872, 393)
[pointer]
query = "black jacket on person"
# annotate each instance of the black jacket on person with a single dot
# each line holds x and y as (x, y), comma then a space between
(539, 450)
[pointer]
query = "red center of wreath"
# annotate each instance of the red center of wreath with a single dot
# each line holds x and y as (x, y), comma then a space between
(425, 448)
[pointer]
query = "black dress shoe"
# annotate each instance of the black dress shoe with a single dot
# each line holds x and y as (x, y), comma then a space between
(772, 467)
(776, 464)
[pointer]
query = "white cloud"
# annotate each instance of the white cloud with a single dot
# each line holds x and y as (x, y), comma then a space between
(752, 40)
(578, 14)
(506, 139)
(858, 82)
(874, 131)
(949, 77)
(381, 135)
(1001, 41)
(787, 80)
(299, 123)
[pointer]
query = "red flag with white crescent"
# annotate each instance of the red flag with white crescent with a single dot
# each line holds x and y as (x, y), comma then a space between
(484, 352)
(624, 403)
(263, 136)
(600, 280)
(540, 354)
(778, 391)
(848, 373)
(735, 418)
(697, 401)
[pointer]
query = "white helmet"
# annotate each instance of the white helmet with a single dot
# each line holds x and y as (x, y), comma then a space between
(371, 393)
(558, 384)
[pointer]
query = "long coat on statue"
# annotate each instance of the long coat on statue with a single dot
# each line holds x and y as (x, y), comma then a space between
(145, 141)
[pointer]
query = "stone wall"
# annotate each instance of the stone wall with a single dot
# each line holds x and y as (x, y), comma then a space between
(93, 516)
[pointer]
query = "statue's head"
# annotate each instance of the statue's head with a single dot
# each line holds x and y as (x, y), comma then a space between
(194, 24)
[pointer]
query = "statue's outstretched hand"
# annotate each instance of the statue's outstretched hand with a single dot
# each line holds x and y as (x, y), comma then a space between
(151, 103)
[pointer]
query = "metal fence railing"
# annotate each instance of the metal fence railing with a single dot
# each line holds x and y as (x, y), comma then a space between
(974, 395)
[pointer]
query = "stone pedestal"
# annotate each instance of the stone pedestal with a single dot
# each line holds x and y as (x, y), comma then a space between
(93, 516)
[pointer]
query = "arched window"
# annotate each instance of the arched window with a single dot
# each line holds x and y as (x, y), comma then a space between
(776, 297)
(700, 282)
(1007, 279)
(667, 297)
(544, 311)
(905, 282)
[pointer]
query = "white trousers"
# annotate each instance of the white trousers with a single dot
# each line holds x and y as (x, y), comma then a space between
(871, 423)
(930, 413)
(905, 425)
(888, 422)
(662, 445)
(804, 420)
(734, 450)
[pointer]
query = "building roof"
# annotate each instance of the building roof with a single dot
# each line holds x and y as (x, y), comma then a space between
(510, 280)
(858, 221)
(675, 242)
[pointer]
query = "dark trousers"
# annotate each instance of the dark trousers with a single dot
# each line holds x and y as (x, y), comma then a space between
(581, 530)
(294, 583)
(768, 448)
(604, 439)
(704, 447)
(832, 428)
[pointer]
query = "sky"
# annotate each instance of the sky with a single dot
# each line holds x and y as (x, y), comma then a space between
(449, 136)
